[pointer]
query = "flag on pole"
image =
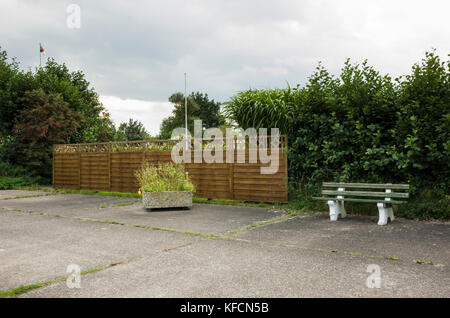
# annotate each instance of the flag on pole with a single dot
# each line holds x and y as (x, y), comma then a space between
(41, 49)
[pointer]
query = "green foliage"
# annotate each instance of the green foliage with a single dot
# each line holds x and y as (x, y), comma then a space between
(427, 204)
(263, 108)
(422, 135)
(208, 110)
(47, 120)
(13, 176)
(133, 130)
(178, 115)
(45, 106)
(363, 127)
(7, 183)
(164, 177)
(51, 78)
(199, 106)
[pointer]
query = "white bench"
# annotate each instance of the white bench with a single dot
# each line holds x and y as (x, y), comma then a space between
(381, 194)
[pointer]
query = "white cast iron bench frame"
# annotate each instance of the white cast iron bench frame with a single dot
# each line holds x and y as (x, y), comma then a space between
(381, 194)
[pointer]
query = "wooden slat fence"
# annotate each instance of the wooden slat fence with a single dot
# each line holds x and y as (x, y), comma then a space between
(106, 170)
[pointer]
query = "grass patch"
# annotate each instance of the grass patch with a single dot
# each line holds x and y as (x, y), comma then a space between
(14, 292)
(238, 203)
(100, 221)
(36, 187)
(102, 193)
(122, 204)
(8, 182)
(24, 211)
(26, 196)
(424, 262)
(176, 247)
(262, 223)
(104, 206)
(97, 269)
(156, 228)
(142, 226)
(114, 222)
(185, 232)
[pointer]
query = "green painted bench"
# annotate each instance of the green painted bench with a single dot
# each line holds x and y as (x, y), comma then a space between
(336, 193)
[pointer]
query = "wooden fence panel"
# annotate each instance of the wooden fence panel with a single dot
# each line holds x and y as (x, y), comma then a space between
(94, 171)
(249, 184)
(123, 167)
(114, 171)
(210, 180)
(66, 170)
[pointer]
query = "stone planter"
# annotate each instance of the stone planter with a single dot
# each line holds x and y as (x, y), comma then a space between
(168, 199)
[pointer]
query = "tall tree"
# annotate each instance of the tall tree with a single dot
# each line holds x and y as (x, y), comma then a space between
(208, 110)
(47, 120)
(133, 130)
(48, 105)
(52, 78)
(199, 107)
(178, 115)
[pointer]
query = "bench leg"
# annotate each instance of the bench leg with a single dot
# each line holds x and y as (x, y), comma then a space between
(336, 208)
(385, 212)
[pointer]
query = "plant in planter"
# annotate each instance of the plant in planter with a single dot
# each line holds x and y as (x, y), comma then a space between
(165, 186)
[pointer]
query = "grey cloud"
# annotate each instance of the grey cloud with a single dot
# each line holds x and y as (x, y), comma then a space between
(140, 49)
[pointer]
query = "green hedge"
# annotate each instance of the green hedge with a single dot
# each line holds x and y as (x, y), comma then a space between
(363, 127)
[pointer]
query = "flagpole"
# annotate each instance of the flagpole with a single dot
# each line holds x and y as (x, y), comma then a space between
(40, 55)
(185, 109)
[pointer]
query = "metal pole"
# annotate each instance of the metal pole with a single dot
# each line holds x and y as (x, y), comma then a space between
(185, 109)
(40, 55)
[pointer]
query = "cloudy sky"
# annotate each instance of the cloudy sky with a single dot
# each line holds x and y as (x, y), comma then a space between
(135, 53)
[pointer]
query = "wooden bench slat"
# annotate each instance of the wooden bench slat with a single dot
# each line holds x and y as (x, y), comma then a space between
(367, 194)
(366, 185)
(359, 200)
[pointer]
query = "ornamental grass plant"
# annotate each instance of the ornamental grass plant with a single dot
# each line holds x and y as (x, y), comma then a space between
(164, 177)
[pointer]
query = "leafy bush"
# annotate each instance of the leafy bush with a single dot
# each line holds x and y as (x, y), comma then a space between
(12, 177)
(48, 120)
(131, 130)
(164, 177)
(263, 108)
(7, 183)
(362, 127)
(48, 105)
(427, 204)
(9, 170)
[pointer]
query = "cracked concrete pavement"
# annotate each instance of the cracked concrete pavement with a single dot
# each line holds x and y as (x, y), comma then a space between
(183, 253)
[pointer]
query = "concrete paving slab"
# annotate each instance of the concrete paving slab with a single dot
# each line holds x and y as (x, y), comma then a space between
(403, 238)
(19, 193)
(204, 218)
(36, 248)
(64, 203)
(226, 268)
(292, 258)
